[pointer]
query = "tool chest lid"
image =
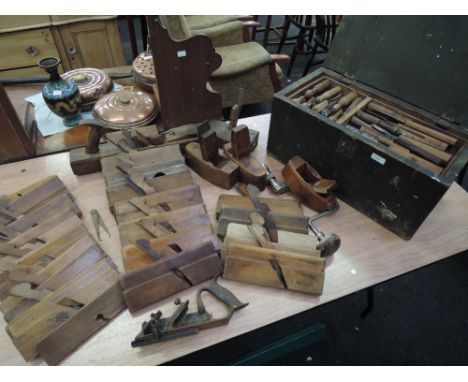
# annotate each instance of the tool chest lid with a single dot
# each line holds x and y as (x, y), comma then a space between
(422, 60)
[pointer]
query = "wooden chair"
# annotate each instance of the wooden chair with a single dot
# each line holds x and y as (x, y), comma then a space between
(326, 29)
(244, 65)
(306, 27)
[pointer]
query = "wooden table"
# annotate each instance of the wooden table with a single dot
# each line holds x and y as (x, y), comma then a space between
(70, 139)
(369, 255)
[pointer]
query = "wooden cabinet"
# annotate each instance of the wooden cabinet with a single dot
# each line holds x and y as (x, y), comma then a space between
(92, 44)
(79, 41)
(25, 48)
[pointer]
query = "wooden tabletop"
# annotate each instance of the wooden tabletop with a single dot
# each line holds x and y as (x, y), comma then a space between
(369, 255)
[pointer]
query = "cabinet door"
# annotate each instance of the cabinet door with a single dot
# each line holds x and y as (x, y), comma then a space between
(93, 44)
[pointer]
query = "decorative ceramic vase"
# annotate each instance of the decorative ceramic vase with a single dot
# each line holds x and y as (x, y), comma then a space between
(62, 96)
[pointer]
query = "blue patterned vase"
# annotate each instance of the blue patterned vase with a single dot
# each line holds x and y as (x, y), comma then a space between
(61, 95)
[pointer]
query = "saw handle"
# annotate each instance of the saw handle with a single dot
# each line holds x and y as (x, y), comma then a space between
(222, 294)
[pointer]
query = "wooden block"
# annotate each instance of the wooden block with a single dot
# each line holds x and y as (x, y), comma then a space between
(36, 323)
(277, 205)
(67, 337)
(157, 281)
(148, 162)
(42, 227)
(250, 169)
(240, 141)
(158, 203)
(78, 257)
(221, 171)
(37, 195)
(163, 224)
(61, 238)
(43, 212)
(254, 265)
(134, 258)
(293, 223)
(287, 241)
(208, 145)
(83, 163)
(160, 183)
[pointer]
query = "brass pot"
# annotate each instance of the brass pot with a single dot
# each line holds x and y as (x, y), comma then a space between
(143, 71)
(92, 83)
(126, 108)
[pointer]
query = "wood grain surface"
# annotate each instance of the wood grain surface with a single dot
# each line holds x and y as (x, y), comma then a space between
(369, 255)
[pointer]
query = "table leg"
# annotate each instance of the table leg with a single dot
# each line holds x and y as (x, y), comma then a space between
(267, 31)
(370, 302)
(282, 347)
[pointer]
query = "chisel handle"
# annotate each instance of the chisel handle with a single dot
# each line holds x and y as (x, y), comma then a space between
(320, 87)
(329, 94)
(344, 101)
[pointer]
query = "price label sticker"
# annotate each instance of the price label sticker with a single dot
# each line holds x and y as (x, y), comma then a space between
(181, 53)
(57, 92)
(378, 158)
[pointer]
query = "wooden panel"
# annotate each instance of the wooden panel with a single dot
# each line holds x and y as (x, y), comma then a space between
(22, 72)
(14, 142)
(13, 47)
(12, 21)
(82, 325)
(97, 44)
(31, 327)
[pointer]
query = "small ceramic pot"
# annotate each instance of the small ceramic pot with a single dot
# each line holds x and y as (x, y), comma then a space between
(62, 96)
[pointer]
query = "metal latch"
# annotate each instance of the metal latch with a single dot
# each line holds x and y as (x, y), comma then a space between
(445, 121)
(346, 147)
(348, 78)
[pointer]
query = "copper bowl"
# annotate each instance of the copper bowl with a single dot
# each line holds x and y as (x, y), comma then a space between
(143, 71)
(126, 108)
(92, 83)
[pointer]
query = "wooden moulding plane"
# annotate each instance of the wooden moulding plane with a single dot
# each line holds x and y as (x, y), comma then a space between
(305, 182)
(286, 214)
(257, 251)
(205, 160)
(293, 263)
(58, 287)
(129, 175)
(169, 275)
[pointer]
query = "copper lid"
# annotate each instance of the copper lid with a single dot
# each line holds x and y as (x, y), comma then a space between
(93, 83)
(126, 108)
(143, 70)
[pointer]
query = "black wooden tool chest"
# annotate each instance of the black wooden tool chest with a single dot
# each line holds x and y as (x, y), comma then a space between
(416, 67)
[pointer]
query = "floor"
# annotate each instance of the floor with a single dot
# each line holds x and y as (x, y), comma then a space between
(420, 318)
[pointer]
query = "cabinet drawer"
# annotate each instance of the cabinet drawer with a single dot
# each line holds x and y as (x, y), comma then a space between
(23, 22)
(21, 49)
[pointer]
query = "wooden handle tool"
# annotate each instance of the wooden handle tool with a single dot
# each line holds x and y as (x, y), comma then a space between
(374, 106)
(328, 94)
(320, 87)
(264, 210)
(321, 106)
(344, 101)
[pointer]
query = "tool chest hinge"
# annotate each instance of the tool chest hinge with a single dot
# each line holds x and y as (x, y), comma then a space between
(347, 78)
(445, 121)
